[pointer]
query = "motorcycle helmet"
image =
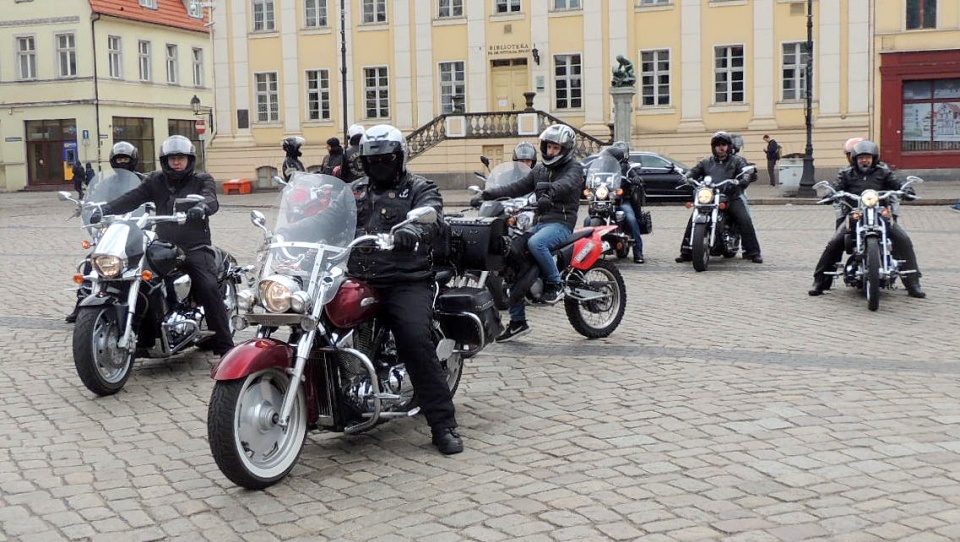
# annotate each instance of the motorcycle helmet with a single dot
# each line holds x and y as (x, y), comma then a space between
(123, 149)
(562, 135)
(291, 145)
(620, 151)
(383, 151)
(177, 145)
(848, 148)
(720, 138)
(354, 132)
(863, 148)
(525, 151)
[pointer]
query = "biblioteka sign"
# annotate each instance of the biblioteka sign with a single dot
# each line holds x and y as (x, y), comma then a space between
(508, 49)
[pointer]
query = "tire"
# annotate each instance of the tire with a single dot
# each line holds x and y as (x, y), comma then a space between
(625, 250)
(701, 247)
(248, 446)
(453, 370)
(599, 318)
(871, 273)
(103, 367)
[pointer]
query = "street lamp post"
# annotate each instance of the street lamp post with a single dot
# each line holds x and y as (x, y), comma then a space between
(197, 112)
(807, 178)
(343, 70)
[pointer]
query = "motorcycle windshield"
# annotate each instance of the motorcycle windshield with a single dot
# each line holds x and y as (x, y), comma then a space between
(107, 186)
(605, 170)
(506, 173)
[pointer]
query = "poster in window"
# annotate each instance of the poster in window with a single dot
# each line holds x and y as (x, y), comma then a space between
(916, 122)
(946, 121)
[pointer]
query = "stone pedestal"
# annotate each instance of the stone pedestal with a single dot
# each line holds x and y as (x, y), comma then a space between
(623, 113)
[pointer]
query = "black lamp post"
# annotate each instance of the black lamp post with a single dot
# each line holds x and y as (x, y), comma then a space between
(198, 111)
(343, 71)
(807, 178)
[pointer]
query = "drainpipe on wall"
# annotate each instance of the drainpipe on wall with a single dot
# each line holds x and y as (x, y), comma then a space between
(96, 86)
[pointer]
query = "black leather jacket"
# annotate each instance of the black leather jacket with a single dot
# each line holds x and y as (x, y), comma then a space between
(352, 168)
(563, 185)
(377, 211)
(162, 193)
(721, 170)
(878, 177)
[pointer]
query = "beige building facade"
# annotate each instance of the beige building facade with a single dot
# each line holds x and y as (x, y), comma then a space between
(77, 76)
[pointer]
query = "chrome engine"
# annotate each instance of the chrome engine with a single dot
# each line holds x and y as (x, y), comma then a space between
(356, 387)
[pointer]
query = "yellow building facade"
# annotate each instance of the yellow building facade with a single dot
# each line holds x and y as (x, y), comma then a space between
(77, 76)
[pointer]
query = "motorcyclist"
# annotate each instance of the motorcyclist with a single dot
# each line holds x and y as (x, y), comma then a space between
(721, 165)
(557, 183)
(403, 277)
(352, 167)
(177, 179)
(633, 194)
(868, 173)
(292, 163)
(525, 153)
(124, 155)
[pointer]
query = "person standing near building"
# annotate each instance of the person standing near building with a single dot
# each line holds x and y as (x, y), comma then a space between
(79, 178)
(333, 159)
(352, 168)
(773, 152)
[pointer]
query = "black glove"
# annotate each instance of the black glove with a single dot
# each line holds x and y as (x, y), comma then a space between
(197, 212)
(909, 193)
(476, 201)
(405, 239)
(96, 216)
(544, 204)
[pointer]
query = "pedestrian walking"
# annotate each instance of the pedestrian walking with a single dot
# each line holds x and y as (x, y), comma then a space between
(773, 152)
(79, 176)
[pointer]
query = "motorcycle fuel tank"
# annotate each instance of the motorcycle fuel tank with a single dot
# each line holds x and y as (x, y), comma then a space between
(354, 303)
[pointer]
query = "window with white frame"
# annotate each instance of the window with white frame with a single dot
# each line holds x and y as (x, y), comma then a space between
(566, 4)
(66, 55)
(264, 17)
(26, 57)
(654, 2)
(508, 6)
(173, 66)
(655, 77)
(374, 11)
(318, 94)
(921, 14)
(315, 13)
(795, 60)
(376, 92)
(152, 4)
(728, 74)
(195, 10)
(450, 8)
(115, 56)
(452, 87)
(145, 60)
(268, 97)
(197, 67)
(567, 83)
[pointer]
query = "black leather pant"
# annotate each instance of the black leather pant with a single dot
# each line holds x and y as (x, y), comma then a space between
(737, 210)
(407, 308)
(902, 250)
(201, 267)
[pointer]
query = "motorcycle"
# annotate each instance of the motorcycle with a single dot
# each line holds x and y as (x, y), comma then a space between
(713, 232)
(135, 281)
(604, 196)
(871, 264)
(338, 370)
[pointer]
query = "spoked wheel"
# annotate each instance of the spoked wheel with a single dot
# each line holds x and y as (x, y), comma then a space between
(871, 281)
(229, 291)
(701, 247)
(103, 366)
(247, 442)
(599, 317)
(453, 370)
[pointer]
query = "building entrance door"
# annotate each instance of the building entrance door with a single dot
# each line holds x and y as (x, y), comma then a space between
(510, 80)
(46, 163)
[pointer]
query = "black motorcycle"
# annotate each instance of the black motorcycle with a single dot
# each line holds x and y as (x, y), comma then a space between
(713, 232)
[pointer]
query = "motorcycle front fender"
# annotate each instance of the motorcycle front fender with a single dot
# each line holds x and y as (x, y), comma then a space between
(95, 301)
(701, 218)
(253, 356)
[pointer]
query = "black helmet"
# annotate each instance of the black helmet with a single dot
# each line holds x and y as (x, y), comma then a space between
(291, 145)
(721, 138)
(525, 151)
(866, 147)
(122, 148)
(620, 150)
(177, 145)
(562, 135)
(376, 144)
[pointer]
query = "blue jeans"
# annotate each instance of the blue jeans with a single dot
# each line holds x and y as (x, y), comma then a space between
(631, 218)
(546, 237)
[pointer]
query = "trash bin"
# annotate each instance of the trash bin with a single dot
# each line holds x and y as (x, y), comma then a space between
(791, 171)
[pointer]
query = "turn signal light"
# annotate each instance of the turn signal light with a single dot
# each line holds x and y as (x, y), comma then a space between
(885, 212)
(688, 205)
(619, 191)
(147, 274)
(856, 216)
(512, 221)
(723, 205)
(586, 192)
(86, 244)
(78, 278)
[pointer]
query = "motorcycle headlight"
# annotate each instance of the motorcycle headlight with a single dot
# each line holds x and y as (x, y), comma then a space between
(870, 198)
(276, 293)
(245, 300)
(603, 192)
(108, 266)
(705, 195)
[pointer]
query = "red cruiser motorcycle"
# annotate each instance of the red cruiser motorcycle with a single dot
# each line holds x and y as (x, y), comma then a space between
(338, 369)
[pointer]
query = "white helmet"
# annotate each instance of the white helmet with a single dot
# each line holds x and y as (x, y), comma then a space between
(354, 130)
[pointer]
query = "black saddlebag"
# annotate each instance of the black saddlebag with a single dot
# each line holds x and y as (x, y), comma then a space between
(466, 313)
(477, 243)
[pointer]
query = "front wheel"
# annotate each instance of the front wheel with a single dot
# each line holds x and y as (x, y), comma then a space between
(595, 318)
(871, 282)
(102, 365)
(701, 247)
(249, 446)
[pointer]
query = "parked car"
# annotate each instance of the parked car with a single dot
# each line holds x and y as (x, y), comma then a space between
(661, 176)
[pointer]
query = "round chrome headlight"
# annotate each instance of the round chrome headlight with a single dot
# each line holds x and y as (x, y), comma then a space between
(276, 293)
(108, 266)
(705, 195)
(870, 198)
(602, 191)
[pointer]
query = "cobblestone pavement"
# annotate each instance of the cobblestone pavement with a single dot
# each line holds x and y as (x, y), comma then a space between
(728, 406)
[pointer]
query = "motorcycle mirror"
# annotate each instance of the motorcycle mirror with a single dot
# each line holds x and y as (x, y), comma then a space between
(747, 170)
(423, 215)
(821, 184)
(472, 188)
(63, 196)
(258, 219)
(278, 180)
(485, 161)
(910, 180)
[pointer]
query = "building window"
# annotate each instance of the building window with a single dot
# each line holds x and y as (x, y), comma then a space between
(144, 59)
(450, 8)
(655, 77)
(452, 87)
(172, 66)
(27, 57)
(376, 92)
(66, 55)
(318, 94)
(315, 13)
(195, 10)
(374, 11)
(654, 2)
(268, 97)
(569, 88)
(795, 60)
(197, 67)
(728, 74)
(115, 56)
(508, 6)
(188, 129)
(921, 14)
(152, 4)
(264, 19)
(138, 131)
(566, 4)
(931, 115)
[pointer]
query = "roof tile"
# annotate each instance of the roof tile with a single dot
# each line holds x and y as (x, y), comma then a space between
(169, 13)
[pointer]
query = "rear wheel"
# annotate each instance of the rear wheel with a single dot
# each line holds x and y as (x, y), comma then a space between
(701, 247)
(871, 273)
(102, 365)
(598, 317)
